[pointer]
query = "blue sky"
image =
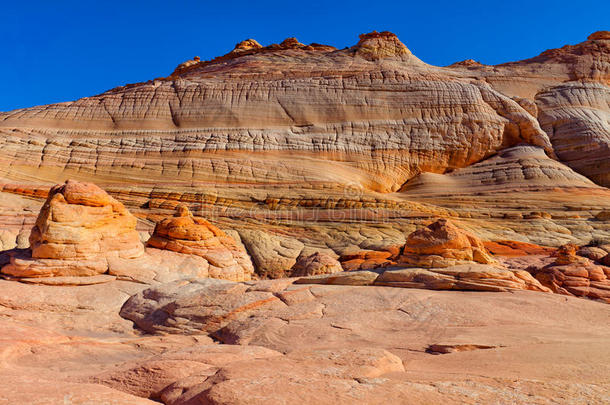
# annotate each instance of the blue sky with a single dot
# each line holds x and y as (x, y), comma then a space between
(55, 51)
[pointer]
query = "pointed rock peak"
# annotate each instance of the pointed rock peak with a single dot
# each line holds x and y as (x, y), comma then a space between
(441, 223)
(291, 43)
(379, 45)
(599, 35)
(467, 63)
(182, 211)
(247, 45)
(442, 244)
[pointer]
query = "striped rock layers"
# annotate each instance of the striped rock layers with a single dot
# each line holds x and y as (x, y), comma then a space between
(78, 229)
(186, 234)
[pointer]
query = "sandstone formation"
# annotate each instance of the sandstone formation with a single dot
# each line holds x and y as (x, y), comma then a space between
(329, 169)
(370, 259)
(603, 215)
(316, 264)
(314, 376)
(184, 233)
(518, 168)
(364, 122)
(82, 233)
(380, 45)
(511, 248)
(462, 277)
(373, 97)
(591, 252)
(442, 244)
(78, 229)
(573, 275)
(465, 277)
(312, 325)
(576, 116)
(318, 341)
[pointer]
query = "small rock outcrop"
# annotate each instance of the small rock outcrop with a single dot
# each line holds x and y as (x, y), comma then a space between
(599, 35)
(316, 264)
(442, 244)
(464, 277)
(467, 63)
(79, 228)
(379, 45)
(246, 45)
(468, 277)
(591, 252)
(184, 233)
(574, 275)
(603, 215)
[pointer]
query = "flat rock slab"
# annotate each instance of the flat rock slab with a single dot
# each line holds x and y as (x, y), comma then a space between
(99, 279)
(468, 277)
(343, 278)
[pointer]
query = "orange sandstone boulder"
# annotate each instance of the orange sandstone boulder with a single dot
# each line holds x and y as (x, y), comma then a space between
(442, 244)
(247, 45)
(573, 275)
(79, 228)
(592, 252)
(316, 264)
(189, 235)
(370, 259)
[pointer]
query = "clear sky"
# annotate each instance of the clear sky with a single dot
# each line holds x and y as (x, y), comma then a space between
(55, 51)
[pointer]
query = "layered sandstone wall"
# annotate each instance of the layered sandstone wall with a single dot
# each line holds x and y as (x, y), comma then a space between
(372, 114)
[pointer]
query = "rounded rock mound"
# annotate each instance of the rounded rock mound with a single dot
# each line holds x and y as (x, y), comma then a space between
(442, 244)
(316, 264)
(574, 275)
(184, 233)
(77, 230)
(599, 35)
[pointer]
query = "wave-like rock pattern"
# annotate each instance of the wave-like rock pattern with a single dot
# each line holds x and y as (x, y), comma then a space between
(521, 167)
(372, 114)
(299, 147)
(577, 118)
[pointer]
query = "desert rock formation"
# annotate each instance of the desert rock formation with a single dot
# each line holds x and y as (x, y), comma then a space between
(350, 122)
(464, 277)
(77, 230)
(575, 275)
(269, 137)
(78, 347)
(316, 264)
(327, 275)
(184, 233)
(442, 244)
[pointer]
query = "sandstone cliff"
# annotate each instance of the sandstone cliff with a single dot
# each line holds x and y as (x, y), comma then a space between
(301, 148)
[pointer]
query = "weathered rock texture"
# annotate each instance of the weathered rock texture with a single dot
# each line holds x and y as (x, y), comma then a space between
(78, 230)
(372, 115)
(464, 277)
(321, 342)
(316, 264)
(184, 233)
(489, 339)
(301, 149)
(576, 116)
(575, 275)
(517, 168)
(442, 244)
